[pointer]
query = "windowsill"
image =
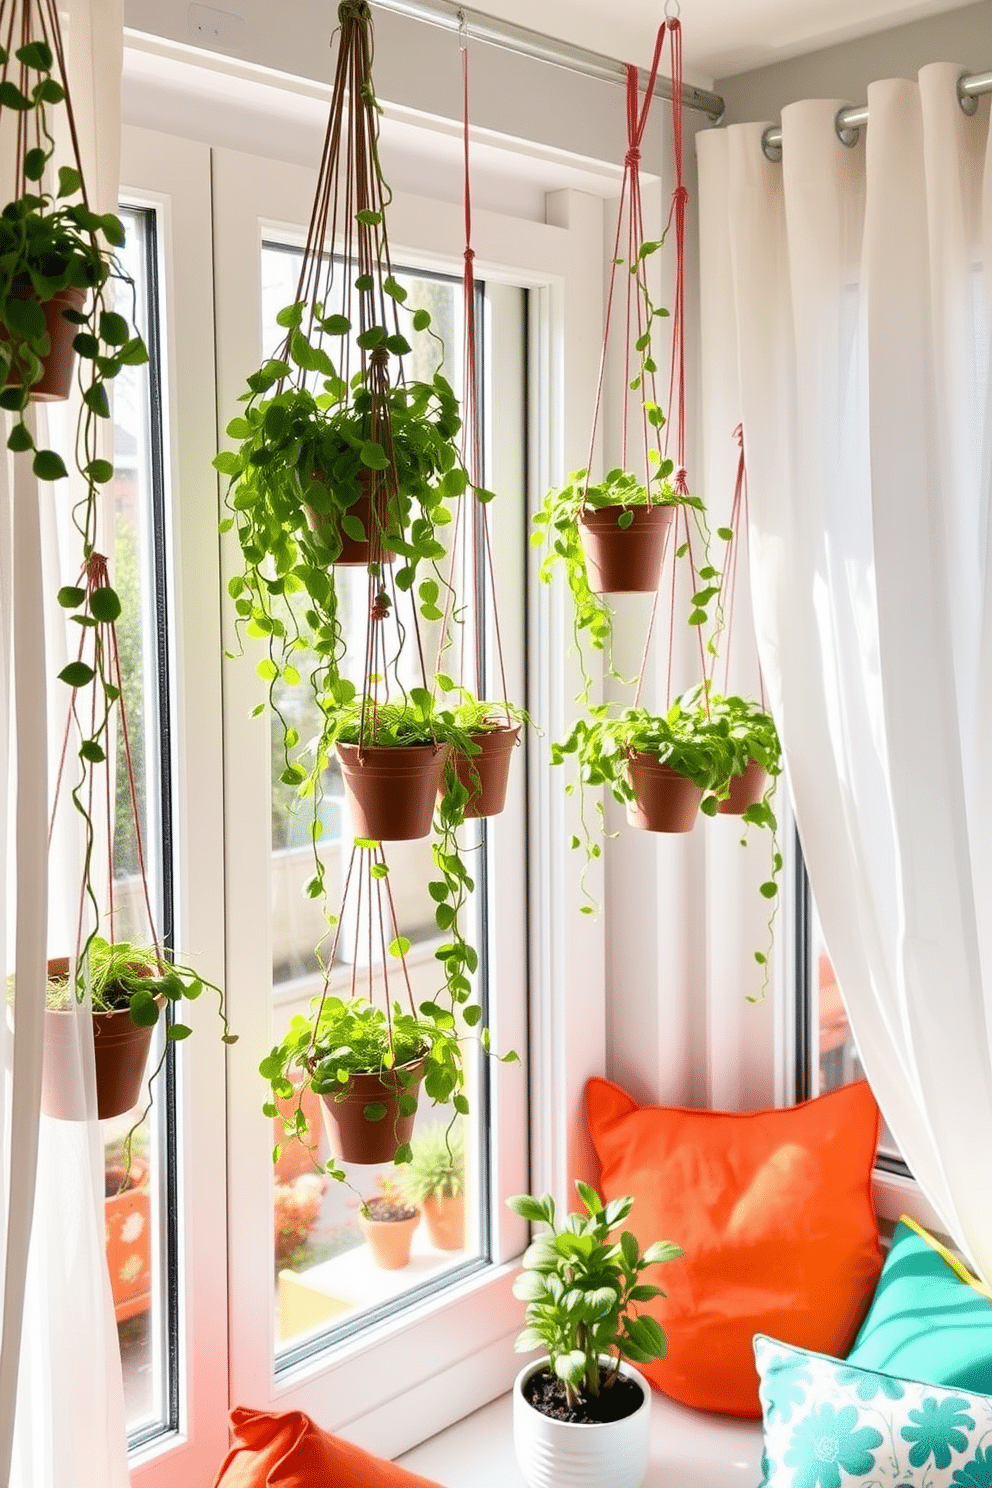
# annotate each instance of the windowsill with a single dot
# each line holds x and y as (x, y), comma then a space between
(690, 1448)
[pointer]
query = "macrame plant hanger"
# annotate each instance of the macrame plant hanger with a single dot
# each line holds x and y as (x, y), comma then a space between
(702, 577)
(472, 569)
(347, 255)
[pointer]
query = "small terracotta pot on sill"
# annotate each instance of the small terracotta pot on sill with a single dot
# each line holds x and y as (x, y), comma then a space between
(444, 1215)
(388, 1229)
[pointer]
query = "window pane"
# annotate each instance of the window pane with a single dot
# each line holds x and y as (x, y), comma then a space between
(328, 1272)
(138, 1238)
(833, 1043)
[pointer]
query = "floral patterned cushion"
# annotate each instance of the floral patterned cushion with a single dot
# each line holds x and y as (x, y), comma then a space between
(829, 1424)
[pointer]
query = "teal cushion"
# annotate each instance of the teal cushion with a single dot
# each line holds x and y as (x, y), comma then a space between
(929, 1319)
(829, 1424)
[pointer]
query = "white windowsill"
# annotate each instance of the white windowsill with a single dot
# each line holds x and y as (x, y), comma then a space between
(689, 1449)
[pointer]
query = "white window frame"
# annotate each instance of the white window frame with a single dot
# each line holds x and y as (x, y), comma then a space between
(172, 176)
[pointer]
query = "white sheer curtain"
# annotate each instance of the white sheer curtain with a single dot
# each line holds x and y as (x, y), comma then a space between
(61, 1397)
(846, 297)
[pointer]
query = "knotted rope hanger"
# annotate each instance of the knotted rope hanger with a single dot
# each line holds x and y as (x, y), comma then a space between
(471, 544)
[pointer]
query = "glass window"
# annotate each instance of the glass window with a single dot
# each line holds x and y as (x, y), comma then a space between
(139, 1216)
(330, 1271)
(827, 1053)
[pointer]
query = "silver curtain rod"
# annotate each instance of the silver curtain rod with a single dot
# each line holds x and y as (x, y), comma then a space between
(849, 122)
(480, 27)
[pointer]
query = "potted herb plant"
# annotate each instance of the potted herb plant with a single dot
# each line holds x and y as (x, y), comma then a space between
(435, 1180)
(388, 1221)
(368, 1067)
(129, 987)
(581, 1414)
(759, 753)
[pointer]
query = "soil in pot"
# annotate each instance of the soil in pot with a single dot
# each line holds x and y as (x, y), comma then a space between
(485, 775)
(388, 1228)
(615, 1402)
(391, 791)
(356, 1139)
(665, 801)
(624, 560)
(745, 790)
(60, 363)
(356, 553)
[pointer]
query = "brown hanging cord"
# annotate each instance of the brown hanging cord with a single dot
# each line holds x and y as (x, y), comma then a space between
(106, 659)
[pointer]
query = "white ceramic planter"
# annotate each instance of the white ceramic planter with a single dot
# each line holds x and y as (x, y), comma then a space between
(558, 1454)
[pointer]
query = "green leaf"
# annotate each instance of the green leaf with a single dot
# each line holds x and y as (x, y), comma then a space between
(95, 398)
(69, 181)
(399, 946)
(92, 752)
(421, 320)
(178, 1032)
(48, 466)
(369, 217)
(393, 289)
(70, 596)
(336, 325)
(77, 674)
(105, 605)
(113, 229)
(35, 54)
(144, 1009)
(114, 329)
(12, 98)
(291, 316)
(20, 439)
(34, 164)
(374, 1111)
(99, 472)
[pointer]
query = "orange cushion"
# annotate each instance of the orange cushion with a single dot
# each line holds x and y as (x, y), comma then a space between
(289, 1451)
(774, 1212)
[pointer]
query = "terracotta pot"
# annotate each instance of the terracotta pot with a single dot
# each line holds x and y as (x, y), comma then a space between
(745, 790)
(485, 775)
(60, 363)
(665, 801)
(565, 1454)
(354, 553)
(445, 1217)
(388, 1239)
(353, 1138)
(624, 560)
(392, 791)
(127, 1221)
(120, 1050)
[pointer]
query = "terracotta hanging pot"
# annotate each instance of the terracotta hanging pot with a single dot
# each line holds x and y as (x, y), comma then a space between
(485, 775)
(624, 560)
(120, 1052)
(665, 801)
(356, 1139)
(356, 553)
(60, 363)
(391, 791)
(445, 1218)
(388, 1228)
(745, 790)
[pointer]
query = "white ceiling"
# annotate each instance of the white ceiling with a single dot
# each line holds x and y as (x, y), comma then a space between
(720, 37)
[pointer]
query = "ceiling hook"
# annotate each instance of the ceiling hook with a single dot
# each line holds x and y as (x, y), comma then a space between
(462, 29)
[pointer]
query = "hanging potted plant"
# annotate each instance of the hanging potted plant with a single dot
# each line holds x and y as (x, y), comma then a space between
(483, 768)
(758, 758)
(435, 1181)
(582, 1413)
(129, 987)
(58, 268)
